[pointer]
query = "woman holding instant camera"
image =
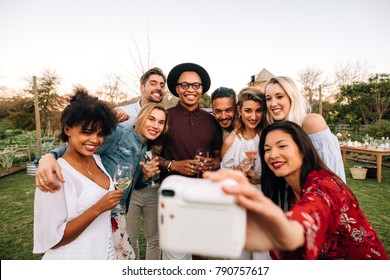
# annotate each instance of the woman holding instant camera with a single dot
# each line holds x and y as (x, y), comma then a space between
(324, 219)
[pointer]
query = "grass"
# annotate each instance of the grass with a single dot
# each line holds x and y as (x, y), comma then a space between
(16, 217)
(17, 197)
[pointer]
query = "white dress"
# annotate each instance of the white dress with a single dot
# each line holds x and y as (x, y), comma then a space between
(236, 153)
(232, 158)
(52, 211)
(328, 148)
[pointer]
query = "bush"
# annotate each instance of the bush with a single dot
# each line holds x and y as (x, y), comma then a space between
(379, 129)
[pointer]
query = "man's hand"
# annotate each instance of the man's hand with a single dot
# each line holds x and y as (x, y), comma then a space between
(188, 167)
(44, 178)
(121, 115)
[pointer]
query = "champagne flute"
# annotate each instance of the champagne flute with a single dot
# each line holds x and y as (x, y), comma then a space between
(201, 155)
(123, 177)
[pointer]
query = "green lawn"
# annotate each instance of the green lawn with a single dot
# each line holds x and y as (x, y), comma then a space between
(17, 196)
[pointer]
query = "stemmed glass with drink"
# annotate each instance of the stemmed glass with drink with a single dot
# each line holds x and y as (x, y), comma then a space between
(201, 155)
(247, 163)
(250, 148)
(123, 176)
(149, 165)
(250, 153)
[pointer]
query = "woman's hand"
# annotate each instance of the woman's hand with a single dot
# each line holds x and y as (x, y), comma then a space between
(149, 173)
(109, 201)
(267, 226)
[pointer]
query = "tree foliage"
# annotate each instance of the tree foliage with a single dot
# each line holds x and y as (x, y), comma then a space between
(21, 114)
(370, 100)
(50, 102)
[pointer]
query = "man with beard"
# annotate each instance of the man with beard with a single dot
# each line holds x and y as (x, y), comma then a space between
(152, 88)
(223, 102)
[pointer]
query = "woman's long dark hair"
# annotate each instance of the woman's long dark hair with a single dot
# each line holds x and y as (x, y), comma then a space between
(275, 187)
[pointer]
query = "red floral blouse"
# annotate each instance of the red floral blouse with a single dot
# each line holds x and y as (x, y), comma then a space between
(335, 226)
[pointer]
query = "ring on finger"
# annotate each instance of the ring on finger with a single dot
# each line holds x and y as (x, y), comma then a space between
(41, 180)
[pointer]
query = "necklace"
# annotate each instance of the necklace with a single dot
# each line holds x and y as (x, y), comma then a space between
(80, 166)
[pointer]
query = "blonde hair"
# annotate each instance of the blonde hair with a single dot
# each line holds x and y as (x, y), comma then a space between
(299, 108)
(145, 113)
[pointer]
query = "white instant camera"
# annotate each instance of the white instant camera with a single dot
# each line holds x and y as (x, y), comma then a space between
(195, 216)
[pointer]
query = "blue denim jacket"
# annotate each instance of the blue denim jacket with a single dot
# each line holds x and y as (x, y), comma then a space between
(122, 146)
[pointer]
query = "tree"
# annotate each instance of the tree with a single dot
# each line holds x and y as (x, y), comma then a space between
(370, 100)
(348, 73)
(21, 113)
(111, 90)
(49, 100)
(140, 61)
(205, 101)
(311, 79)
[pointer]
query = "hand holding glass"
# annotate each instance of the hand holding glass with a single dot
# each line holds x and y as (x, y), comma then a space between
(149, 164)
(201, 155)
(247, 163)
(123, 177)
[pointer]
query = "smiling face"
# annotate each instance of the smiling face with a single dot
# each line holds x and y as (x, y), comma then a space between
(283, 156)
(251, 113)
(223, 110)
(83, 141)
(153, 90)
(278, 102)
(153, 125)
(189, 98)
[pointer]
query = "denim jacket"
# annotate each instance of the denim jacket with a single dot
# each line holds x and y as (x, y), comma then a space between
(122, 146)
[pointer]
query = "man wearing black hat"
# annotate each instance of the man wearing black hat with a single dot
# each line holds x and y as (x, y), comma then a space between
(190, 128)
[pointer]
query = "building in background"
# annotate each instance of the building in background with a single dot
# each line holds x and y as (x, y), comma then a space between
(261, 79)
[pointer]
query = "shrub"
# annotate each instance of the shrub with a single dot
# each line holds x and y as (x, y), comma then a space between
(379, 129)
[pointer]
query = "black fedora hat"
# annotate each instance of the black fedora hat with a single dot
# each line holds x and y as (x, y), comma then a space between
(176, 71)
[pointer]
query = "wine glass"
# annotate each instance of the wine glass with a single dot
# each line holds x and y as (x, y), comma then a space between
(149, 165)
(250, 148)
(149, 161)
(201, 155)
(123, 176)
(247, 163)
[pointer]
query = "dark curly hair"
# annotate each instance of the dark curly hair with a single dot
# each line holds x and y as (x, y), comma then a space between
(87, 110)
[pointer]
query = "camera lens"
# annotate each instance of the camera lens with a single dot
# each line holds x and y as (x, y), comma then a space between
(168, 193)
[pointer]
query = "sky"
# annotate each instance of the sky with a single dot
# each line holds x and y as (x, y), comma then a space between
(86, 41)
